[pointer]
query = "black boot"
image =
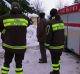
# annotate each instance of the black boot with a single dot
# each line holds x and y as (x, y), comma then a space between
(42, 61)
(54, 72)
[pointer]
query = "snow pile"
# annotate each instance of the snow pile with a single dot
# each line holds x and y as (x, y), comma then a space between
(31, 36)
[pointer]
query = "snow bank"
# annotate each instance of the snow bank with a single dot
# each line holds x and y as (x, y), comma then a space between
(31, 36)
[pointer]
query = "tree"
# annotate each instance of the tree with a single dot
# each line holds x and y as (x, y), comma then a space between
(60, 5)
(25, 5)
(3, 8)
(38, 5)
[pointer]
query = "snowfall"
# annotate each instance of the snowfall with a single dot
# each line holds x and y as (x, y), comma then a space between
(70, 64)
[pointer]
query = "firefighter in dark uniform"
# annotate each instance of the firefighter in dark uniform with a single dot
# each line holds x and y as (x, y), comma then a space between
(13, 28)
(55, 39)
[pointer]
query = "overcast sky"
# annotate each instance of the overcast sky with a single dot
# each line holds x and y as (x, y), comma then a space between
(49, 4)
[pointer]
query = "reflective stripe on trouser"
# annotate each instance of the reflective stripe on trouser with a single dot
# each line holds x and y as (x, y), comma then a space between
(56, 67)
(4, 70)
(19, 71)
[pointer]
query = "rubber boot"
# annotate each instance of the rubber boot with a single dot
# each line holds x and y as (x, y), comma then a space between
(54, 72)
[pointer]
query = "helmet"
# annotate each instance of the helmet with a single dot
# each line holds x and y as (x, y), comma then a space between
(15, 5)
(42, 15)
(16, 8)
(53, 12)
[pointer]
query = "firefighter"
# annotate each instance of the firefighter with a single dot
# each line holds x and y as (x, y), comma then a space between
(13, 28)
(55, 39)
(41, 36)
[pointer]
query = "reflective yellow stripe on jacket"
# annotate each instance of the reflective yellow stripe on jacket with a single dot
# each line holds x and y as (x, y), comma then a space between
(14, 47)
(15, 22)
(57, 47)
(57, 26)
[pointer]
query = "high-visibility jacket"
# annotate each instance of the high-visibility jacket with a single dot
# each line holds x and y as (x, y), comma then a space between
(55, 35)
(13, 28)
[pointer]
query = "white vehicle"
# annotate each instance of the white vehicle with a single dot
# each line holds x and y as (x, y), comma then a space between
(71, 17)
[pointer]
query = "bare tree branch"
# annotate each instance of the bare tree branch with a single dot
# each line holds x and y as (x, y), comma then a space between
(38, 5)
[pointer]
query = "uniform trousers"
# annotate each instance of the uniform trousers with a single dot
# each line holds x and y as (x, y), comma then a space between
(55, 58)
(43, 51)
(8, 56)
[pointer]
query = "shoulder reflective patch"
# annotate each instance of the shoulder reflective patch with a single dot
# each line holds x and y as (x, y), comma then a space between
(47, 29)
(3, 31)
(15, 22)
(46, 44)
(57, 26)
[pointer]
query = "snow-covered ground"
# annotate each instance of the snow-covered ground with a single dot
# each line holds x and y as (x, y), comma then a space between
(70, 64)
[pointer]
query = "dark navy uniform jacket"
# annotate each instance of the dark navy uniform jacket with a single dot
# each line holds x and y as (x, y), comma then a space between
(55, 35)
(13, 28)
